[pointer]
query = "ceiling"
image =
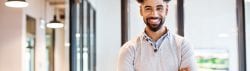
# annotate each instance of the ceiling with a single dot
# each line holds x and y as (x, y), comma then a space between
(59, 4)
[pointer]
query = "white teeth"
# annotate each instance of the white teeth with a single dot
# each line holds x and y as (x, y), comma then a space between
(154, 20)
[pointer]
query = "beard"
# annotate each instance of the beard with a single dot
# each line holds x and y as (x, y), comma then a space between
(154, 27)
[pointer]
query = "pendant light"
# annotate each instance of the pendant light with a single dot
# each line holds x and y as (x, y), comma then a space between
(55, 23)
(16, 3)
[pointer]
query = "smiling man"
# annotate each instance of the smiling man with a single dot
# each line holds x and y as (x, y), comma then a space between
(156, 49)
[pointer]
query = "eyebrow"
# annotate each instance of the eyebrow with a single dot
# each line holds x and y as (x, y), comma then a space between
(150, 6)
(147, 6)
(159, 6)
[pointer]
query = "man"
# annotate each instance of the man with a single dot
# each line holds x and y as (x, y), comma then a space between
(156, 49)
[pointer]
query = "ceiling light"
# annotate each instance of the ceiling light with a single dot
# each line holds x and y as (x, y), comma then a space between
(55, 23)
(16, 3)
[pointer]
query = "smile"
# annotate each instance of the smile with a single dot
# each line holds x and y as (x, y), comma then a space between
(154, 21)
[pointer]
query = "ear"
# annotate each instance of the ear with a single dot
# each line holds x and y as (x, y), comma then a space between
(166, 9)
(141, 10)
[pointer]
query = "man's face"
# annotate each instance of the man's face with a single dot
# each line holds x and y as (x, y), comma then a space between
(153, 13)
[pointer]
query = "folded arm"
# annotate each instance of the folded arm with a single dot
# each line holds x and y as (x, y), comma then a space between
(187, 57)
(126, 58)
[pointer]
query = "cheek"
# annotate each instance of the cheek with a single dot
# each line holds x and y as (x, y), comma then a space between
(144, 16)
(165, 14)
(162, 14)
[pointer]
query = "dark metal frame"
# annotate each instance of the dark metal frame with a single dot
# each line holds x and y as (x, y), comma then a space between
(94, 27)
(124, 21)
(91, 25)
(88, 36)
(81, 24)
(73, 49)
(180, 17)
(241, 34)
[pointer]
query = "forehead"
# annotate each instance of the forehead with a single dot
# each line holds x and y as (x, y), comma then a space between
(153, 2)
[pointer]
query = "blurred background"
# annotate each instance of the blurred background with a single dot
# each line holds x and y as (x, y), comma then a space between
(85, 35)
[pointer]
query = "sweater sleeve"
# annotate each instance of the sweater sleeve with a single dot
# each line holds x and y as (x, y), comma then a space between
(126, 58)
(187, 56)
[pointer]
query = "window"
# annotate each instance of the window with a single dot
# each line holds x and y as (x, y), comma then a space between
(83, 37)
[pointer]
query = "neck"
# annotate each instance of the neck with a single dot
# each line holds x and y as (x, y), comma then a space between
(156, 35)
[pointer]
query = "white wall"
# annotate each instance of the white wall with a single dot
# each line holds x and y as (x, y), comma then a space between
(60, 53)
(108, 31)
(11, 47)
(247, 16)
(135, 22)
(66, 36)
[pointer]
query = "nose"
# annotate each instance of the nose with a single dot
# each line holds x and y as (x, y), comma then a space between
(154, 13)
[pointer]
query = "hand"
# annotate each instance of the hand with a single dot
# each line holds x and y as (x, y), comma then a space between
(185, 69)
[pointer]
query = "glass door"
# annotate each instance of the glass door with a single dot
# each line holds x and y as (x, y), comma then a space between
(30, 43)
(211, 26)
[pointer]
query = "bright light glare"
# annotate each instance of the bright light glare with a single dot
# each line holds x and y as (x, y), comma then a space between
(247, 0)
(16, 4)
(55, 25)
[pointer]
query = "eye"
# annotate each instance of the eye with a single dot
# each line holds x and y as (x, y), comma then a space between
(147, 9)
(159, 8)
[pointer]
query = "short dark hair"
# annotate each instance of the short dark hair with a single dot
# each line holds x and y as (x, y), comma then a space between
(141, 1)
